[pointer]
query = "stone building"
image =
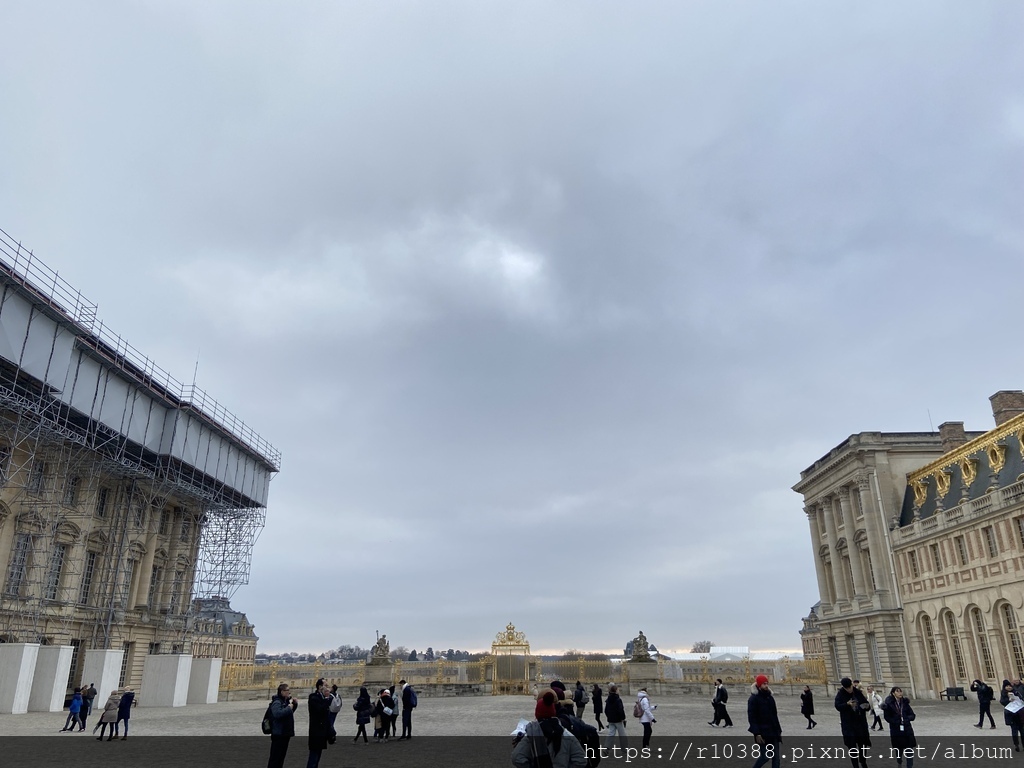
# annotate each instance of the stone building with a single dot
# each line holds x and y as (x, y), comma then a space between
(917, 541)
(959, 550)
(124, 494)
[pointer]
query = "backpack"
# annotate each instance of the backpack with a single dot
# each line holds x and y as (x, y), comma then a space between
(584, 698)
(638, 709)
(268, 721)
(586, 735)
(335, 705)
(413, 701)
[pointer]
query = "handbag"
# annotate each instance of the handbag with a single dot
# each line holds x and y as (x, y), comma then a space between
(388, 711)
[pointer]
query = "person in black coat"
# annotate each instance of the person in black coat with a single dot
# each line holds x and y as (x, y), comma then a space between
(718, 705)
(615, 711)
(364, 710)
(763, 718)
(1012, 719)
(985, 696)
(320, 732)
(853, 707)
(900, 715)
(382, 715)
(597, 697)
(807, 706)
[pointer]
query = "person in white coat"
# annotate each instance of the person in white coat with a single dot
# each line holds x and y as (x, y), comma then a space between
(875, 700)
(647, 718)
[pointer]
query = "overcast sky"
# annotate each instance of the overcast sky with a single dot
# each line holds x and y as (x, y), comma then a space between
(545, 304)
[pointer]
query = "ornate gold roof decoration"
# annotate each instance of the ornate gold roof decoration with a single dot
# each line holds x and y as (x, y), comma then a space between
(1011, 428)
(511, 637)
(942, 482)
(996, 456)
(969, 470)
(920, 487)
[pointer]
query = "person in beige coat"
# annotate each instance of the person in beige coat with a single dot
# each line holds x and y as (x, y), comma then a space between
(109, 716)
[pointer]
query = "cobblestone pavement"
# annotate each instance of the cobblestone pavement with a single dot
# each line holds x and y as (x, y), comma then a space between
(498, 715)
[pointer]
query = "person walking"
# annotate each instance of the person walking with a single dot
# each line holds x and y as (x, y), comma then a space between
(853, 706)
(807, 706)
(364, 710)
(985, 696)
(597, 696)
(1012, 718)
(763, 720)
(580, 698)
(88, 697)
(282, 724)
(875, 699)
(74, 708)
(320, 731)
(409, 702)
(718, 704)
(124, 711)
(615, 711)
(109, 716)
(335, 706)
(900, 716)
(396, 710)
(647, 718)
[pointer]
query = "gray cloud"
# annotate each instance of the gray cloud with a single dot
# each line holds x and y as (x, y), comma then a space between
(545, 307)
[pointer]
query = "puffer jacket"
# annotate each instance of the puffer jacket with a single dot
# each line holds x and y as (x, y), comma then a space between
(645, 703)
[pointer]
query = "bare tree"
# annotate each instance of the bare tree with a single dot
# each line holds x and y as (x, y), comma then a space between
(702, 646)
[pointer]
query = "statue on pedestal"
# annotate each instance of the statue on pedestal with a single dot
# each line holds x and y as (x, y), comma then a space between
(381, 653)
(641, 650)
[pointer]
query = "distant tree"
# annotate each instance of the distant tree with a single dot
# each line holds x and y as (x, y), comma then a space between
(398, 653)
(570, 654)
(428, 654)
(412, 655)
(702, 646)
(451, 654)
(596, 657)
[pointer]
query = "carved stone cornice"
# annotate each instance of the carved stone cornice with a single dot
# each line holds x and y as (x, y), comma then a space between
(843, 492)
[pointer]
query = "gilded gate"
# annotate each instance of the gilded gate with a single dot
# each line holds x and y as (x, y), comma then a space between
(510, 654)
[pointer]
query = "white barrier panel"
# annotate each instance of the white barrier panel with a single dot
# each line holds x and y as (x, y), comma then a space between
(165, 680)
(50, 682)
(17, 668)
(204, 682)
(102, 669)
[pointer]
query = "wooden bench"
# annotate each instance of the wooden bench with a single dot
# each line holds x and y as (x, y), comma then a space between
(951, 694)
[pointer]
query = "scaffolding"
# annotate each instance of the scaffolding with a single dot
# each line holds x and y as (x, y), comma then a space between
(124, 494)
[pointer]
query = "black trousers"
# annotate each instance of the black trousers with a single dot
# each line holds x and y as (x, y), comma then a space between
(278, 750)
(985, 711)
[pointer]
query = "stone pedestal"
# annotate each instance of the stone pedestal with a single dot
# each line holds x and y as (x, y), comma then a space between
(50, 683)
(379, 675)
(17, 668)
(102, 669)
(643, 674)
(204, 681)
(165, 680)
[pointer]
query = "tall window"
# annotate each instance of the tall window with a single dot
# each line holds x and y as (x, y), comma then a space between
(833, 647)
(102, 499)
(139, 510)
(984, 651)
(71, 491)
(915, 571)
(76, 659)
(154, 583)
(19, 564)
(929, 644)
(851, 651)
(129, 649)
(186, 529)
(936, 558)
(165, 522)
(990, 540)
(1013, 636)
(1019, 521)
(876, 661)
(37, 477)
(179, 578)
(956, 647)
(961, 550)
(54, 570)
(87, 577)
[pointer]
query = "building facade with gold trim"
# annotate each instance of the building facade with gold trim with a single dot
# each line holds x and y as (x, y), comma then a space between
(932, 594)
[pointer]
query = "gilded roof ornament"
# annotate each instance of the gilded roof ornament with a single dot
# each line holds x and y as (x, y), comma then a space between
(943, 480)
(969, 470)
(996, 457)
(920, 491)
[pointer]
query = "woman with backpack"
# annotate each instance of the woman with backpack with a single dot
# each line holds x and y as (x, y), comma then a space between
(580, 699)
(546, 742)
(597, 695)
(334, 707)
(645, 711)
(363, 709)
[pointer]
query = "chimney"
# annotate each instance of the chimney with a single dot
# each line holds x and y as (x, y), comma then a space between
(1007, 403)
(952, 435)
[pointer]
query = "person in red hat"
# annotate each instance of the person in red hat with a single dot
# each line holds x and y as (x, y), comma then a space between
(763, 717)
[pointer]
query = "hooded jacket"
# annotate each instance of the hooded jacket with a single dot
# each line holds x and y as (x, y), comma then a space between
(645, 704)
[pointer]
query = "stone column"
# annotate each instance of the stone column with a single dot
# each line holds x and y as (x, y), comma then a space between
(144, 578)
(819, 565)
(838, 577)
(859, 588)
(873, 523)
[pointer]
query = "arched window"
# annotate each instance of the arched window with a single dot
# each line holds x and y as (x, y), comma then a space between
(956, 649)
(981, 641)
(930, 652)
(1011, 632)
